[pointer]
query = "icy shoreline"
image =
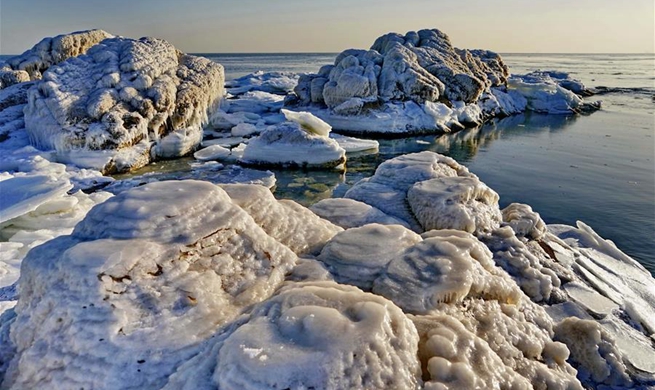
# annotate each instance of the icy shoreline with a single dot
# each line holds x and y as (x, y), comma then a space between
(245, 287)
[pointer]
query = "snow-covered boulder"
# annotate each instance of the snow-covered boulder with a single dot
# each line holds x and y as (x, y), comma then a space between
(49, 51)
(143, 279)
(300, 142)
(138, 99)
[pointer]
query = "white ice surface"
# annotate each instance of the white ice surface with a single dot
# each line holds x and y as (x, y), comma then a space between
(289, 144)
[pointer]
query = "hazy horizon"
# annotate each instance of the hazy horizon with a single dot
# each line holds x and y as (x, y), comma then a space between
(249, 26)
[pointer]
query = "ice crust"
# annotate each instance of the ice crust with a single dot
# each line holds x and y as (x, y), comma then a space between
(139, 296)
(49, 51)
(285, 220)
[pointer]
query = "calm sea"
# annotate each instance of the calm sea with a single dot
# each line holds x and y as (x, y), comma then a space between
(599, 169)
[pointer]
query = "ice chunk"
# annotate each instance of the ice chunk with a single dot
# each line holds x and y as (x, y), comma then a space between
(349, 213)
(524, 221)
(462, 203)
(290, 145)
(308, 122)
(357, 256)
(213, 152)
(593, 351)
(285, 220)
(21, 195)
(352, 145)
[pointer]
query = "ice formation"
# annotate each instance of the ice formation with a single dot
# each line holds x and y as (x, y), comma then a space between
(387, 189)
(50, 51)
(285, 220)
(421, 83)
(144, 278)
(290, 144)
(142, 99)
(356, 257)
(349, 213)
(462, 203)
(318, 335)
(446, 267)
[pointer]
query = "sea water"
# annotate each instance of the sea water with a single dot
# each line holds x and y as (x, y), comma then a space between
(599, 168)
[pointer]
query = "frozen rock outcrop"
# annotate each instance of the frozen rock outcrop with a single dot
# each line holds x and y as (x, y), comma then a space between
(318, 335)
(387, 189)
(130, 100)
(142, 280)
(446, 267)
(396, 87)
(462, 203)
(285, 220)
(356, 256)
(50, 51)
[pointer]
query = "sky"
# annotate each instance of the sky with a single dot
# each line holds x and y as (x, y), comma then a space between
(259, 26)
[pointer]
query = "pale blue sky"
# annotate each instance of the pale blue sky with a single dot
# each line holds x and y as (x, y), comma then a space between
(592, 26)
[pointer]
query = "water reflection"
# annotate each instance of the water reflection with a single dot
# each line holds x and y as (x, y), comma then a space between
(308, 188)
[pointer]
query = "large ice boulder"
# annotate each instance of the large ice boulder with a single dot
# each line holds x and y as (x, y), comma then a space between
(314, 335)
(49, 51)
(143, 279)
(134, 100)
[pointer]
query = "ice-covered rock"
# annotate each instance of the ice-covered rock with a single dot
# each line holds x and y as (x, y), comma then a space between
(446, 267)
(285, 220)
(462, 203)
(49, 51)
(319, 335)
(524, 221)
(349, 213)
(545, 95)
(354, 145)
(125, 93)
(401, 73)
(293, 144)
(387, 189)
(594, 351)
(456, 358)
(357, 256)
(142, 280)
